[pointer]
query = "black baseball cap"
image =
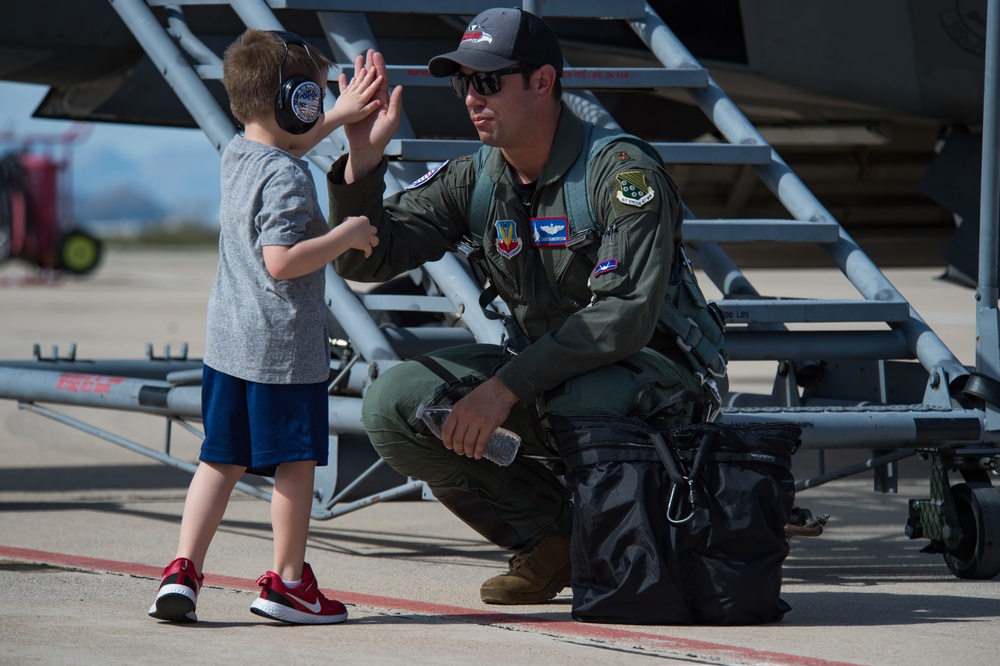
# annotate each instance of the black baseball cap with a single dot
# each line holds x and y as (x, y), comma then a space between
(501, 38)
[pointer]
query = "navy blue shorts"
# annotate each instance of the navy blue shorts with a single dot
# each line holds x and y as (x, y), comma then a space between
(260, 426)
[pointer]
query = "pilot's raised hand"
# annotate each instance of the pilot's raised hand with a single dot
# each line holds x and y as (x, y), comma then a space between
(369, 136)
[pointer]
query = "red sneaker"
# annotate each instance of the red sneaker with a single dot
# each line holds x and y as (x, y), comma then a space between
(303, 604)
(178, 594)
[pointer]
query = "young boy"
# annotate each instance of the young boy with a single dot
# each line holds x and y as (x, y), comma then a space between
(267, 359)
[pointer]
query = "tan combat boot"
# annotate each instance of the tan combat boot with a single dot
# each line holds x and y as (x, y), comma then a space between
(535, 575)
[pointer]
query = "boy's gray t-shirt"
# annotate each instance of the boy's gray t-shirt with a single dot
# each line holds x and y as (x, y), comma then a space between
(261, 329)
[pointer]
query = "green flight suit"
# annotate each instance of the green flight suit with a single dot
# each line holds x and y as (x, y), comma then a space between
(590, 319)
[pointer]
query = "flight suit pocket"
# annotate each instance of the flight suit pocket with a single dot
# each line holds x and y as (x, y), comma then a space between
(502, 275)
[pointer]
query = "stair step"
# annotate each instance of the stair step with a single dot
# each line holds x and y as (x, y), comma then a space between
(785, 310)
(407, 303)
(620, 9)
(574, 78)
(438, 150)
(743, 344)
(759, 230)
(736, 311)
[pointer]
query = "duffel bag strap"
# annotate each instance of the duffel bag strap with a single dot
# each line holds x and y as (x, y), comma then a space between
(707, 439)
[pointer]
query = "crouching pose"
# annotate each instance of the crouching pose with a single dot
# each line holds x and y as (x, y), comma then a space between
(586, 336)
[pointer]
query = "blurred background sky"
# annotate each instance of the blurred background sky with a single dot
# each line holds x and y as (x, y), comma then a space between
(123, 175)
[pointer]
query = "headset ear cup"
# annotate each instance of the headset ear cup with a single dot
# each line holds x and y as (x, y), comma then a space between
(299, 104)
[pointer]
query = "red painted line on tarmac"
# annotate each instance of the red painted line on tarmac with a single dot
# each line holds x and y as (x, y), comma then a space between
(715, 651)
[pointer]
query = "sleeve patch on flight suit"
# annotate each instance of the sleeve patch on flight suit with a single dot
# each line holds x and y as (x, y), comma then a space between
(632, 188)
(508, 243)
(426, 177)
(549, 231)
(605, 266)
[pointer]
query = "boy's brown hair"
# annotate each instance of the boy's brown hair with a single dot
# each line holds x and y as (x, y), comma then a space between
(250, 71)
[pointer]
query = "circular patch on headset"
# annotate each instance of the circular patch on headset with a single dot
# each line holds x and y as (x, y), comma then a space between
(307, 101)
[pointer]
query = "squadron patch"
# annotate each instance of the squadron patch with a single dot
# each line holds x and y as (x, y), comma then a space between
(508, 243)
(426, 177)
(549, 231)
(632, 188)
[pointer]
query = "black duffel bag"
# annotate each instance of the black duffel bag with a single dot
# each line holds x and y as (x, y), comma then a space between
(678, 527)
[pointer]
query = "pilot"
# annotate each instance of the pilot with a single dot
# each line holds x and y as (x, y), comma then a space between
(584, 340)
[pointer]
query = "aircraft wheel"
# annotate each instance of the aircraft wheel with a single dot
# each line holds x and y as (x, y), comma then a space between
(978, 554)
(79, 252)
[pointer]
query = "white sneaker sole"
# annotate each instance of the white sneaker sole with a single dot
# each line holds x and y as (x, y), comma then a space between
(175, 603)
(277, 611)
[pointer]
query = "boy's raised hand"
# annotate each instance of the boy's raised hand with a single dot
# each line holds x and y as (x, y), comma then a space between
(357, 97)
(370, 135)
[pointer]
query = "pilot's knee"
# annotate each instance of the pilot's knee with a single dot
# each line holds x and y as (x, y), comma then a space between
(383, 400)
(388, 411)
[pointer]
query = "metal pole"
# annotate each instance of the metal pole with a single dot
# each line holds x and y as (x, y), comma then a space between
(256, 14)
(989, 209)
(361, 329)
(877, 427)
(871, 463)
(187, 40)
(987, 323)
(182, 78)
(134, 447)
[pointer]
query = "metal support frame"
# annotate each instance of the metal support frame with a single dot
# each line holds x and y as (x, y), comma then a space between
(165, 458)
(796, 198)
(168, 60)
(935, 424)
(871, 463)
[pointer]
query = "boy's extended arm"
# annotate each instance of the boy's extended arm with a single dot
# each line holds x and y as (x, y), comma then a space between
(285, 262)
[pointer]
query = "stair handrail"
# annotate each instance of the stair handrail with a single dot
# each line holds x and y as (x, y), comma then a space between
(859, 269)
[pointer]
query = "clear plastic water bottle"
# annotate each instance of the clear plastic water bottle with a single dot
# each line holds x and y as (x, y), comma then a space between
(503, 443)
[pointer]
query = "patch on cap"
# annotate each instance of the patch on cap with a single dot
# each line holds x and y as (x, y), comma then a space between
(475, 34)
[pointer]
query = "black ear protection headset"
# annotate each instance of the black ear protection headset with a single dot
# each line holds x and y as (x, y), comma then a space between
(300, 99)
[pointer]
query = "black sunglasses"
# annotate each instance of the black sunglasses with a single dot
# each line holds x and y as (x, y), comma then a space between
(485, 83)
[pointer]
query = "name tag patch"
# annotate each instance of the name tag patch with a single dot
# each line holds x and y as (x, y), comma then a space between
(549, 231)
(605, 266)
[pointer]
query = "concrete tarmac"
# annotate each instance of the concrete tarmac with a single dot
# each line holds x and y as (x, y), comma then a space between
(86, 527)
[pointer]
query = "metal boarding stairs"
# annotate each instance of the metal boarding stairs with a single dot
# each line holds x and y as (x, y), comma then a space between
(958, 429)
